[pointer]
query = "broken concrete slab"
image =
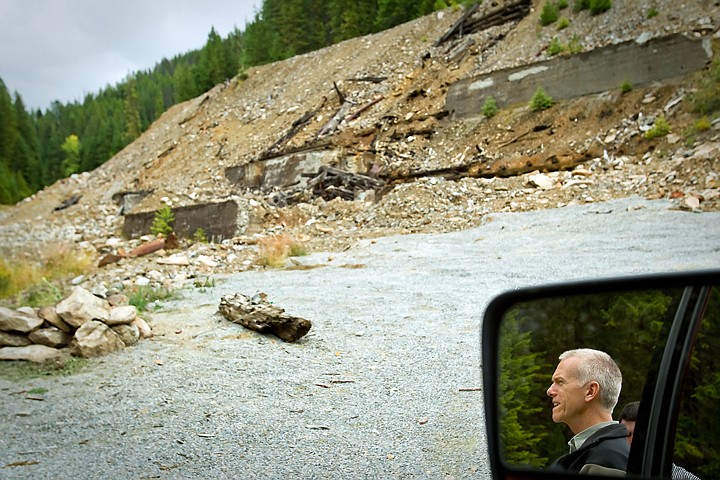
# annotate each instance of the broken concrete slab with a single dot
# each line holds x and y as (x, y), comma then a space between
(591, 72)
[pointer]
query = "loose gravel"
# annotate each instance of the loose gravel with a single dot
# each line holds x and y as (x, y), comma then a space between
(385, 384)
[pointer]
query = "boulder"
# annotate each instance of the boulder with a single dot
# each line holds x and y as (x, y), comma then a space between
(81, 307)
(50, 315)
(50, 337)
(118, 300)
(18, 321)
(13, 340)
(129, 333)
(31, 353)
(143, 327)
(94, 339)
(122, 315)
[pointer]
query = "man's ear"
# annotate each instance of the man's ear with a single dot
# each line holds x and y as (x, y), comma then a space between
(592, 390)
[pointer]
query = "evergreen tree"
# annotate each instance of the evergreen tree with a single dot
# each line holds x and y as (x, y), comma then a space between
(71, 147)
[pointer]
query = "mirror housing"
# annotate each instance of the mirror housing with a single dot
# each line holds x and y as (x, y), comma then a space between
(645, 460)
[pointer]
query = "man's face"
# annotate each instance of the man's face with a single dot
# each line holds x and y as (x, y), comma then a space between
(567, 394)
(630, 425)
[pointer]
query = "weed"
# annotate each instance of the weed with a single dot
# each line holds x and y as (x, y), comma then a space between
(274, 250)
(707, 98)
(652, 12)
(626, 87)
(563, 23)
(555, 47)
(199, 236)
(541, 100)
(659, 129)
(204, 284)
(549, 14)
(163, 221)
(702, 124)
(37, 391)
(574, 45)
(562, 4)
(144, 297)
(489, 108)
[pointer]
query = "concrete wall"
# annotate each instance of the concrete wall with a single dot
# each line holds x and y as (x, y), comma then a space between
(581, 74)
(219, 220)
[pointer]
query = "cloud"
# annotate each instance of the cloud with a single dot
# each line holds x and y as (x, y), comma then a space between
(52, 50)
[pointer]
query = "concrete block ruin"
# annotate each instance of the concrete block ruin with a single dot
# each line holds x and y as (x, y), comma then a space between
(219, 220)
(637, 62)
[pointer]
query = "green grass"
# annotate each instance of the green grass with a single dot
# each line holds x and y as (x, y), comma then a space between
(18, 371)
(659, 129)
(142, 297)
(490, 108)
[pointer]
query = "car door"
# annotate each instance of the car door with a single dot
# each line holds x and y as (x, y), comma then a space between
(660, 329)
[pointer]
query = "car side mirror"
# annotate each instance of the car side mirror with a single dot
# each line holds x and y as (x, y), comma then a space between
(650, 325)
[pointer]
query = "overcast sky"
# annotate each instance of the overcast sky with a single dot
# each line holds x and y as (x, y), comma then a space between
(63, 49)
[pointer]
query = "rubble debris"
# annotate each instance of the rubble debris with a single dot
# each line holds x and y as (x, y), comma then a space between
(328, 183)
(69, 202)
(471, 23)
(256, 313)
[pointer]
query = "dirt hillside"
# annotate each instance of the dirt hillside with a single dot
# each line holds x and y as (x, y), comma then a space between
(394, 83)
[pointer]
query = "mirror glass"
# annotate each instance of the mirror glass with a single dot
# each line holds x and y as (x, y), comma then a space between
(634, 328)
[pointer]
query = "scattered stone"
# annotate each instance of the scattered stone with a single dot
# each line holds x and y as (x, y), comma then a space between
(82, 306)
(13, 340)
(31, 353)
(122, 315)
(49, 314)
(50, 337)
(143, 327)
(94, 339)
(128, 333)
(18, 321)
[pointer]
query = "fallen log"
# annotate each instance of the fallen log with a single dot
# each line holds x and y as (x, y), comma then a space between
(257, 314)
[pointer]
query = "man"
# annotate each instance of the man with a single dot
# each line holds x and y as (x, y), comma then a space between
(628, 417)
(584, 391)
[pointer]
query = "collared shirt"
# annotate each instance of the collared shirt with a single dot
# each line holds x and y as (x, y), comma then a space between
(578, 440)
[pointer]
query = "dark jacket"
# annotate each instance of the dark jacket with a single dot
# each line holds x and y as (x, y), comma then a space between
(604, 453)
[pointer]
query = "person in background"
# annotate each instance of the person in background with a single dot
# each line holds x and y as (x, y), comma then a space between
(584, 391)
(628, 417)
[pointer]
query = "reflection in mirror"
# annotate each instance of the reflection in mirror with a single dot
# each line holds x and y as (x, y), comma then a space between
(632, 327)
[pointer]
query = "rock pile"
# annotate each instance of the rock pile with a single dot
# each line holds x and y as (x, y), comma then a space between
(82, 325)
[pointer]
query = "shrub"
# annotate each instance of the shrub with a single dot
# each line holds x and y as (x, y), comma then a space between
(549, 14)
(562, 4)
(702, 124)
(163, 221)
(626, 87)
(541, 100)
(580, 5)
(600, 6)
(489, 108)
(659, 129)
(555, 47)
(199, 236)
(563, 23)
(652, 12)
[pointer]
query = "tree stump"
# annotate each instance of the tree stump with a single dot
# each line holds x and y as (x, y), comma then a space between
(256, 313)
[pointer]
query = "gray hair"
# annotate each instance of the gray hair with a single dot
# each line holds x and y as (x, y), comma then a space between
(600, 367)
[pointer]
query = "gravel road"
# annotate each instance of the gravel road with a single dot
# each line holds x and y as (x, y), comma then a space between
(384, 386)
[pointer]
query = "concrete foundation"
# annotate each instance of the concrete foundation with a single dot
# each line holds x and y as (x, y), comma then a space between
(582, 74)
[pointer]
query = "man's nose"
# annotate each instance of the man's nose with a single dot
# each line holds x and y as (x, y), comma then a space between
(550, 391)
